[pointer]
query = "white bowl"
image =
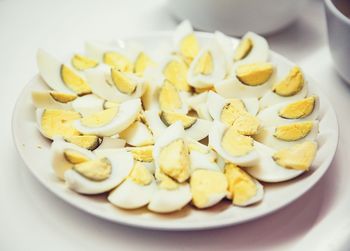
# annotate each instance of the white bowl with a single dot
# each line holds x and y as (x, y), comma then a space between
(236, 17)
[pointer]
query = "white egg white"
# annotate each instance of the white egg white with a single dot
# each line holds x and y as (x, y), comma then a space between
(198, 103)
(88, 104)
(126, 115)
(43, 99)
(215, 138)
(137, 134)
(122, 163)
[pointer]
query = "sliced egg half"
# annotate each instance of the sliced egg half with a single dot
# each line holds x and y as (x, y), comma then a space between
(268, 170)
(137, 134)
(110, 121)
(100, 175)
(65, 155)
(247, 80)
(283, 136)
(59, 76)
(232, 146)
(208, 187)
(53, 99)
(114, 85)
(208, 68)
(186, 42)
(243, 190)
(290, 112)
(195, 128)
(290, 85)
(136, 190)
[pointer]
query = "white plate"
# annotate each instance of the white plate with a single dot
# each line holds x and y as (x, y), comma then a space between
(34, 150)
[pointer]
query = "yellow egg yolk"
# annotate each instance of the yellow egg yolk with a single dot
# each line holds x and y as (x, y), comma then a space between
(74, 157)
(243, 49)
(118, 61)
(63, 97)
(206, 185)
(174, 160)
(142, 62)
(205, 64)
(254, 74)
(298, 109)
(95, 170)
(89, 142)
(176, 73)
(100, 118)
(169, 118)
(140, 174)
(74, 81)
(142, 153)
(291, 84)
(81, 62)
(165, 182)
(235, 143)
(292, 132)
(299, 156)
(189, 46)
(122, 82)
(241, 187)
(169, 99)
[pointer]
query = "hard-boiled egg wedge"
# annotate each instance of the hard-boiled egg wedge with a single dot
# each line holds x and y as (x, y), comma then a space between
(90, 104)
(143, 154)
(100, 175)
(283, 136)
(113, 85)
(136, 191)
(113, 55)
(208, 187)
(171, 153)
(195, 128)
(82, 63)
(243, 190)
(65, 155)
(170, 99)
(234, 112)
(137, 134)
(142, 62)
(247, 80)
(110, 121)
(53, 99)
(198, 103)
(233, 146)
(90, 142)
(290, 112)
(283, 165)
(252, 48)
(208, 67)
(175, 70)
(60, 77)
(290, 85)
(186, 42)
(57, 122)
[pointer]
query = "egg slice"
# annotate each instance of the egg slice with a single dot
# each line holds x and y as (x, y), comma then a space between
(208, 67)
(234, 112)
(88, 104)
(198, 103)
(208, 187)
(232, 146)
(82, 63)
(65, 155)
(290, 112)
(110, 121)
(186, 42)
(290, 85)
(195, 128)
(59, 76)
(53, 99)
(90, 142)
(114, 85)
(56, 122)
(268, 170)
(247, 80)
(243, 190)
(142, 62)
(137, 189)
(100, 175)
(283, 136)
(121, 58)
(137, 134)
(175, 70)
(143, 154)
(252, 48)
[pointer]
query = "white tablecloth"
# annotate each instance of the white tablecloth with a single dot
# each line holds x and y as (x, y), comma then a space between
(31, 218)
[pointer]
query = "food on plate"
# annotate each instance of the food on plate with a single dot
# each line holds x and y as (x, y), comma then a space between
(189, 124)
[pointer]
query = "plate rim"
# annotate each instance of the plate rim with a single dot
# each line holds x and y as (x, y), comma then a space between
(198, 225)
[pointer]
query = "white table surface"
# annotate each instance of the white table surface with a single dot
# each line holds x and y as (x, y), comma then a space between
(31, 218)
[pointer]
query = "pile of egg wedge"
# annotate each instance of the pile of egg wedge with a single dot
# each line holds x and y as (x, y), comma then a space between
(185, 123)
